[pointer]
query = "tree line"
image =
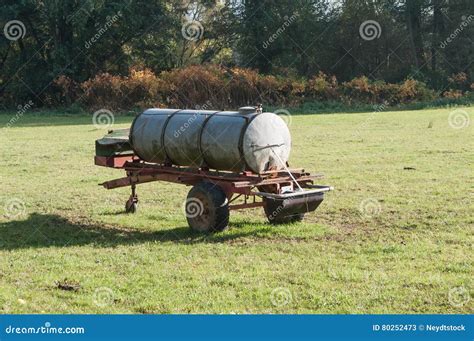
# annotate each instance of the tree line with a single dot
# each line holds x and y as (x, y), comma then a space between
(430, 41)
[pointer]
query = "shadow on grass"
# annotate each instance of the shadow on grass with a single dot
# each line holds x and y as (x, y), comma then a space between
(46, 230)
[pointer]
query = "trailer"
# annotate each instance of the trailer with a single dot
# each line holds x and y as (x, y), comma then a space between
(286, 195)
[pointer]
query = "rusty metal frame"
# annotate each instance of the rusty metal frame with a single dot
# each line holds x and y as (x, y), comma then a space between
(235, 185)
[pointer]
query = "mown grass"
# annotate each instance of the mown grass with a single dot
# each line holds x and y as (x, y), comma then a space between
(401, 251)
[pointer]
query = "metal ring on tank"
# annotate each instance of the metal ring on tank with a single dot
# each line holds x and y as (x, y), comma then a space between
(200, 135)
(130, 134)
(162, 137)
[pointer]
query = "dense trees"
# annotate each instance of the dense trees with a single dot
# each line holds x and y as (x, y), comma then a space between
(391, 40)
(407, 42)
(81, 38)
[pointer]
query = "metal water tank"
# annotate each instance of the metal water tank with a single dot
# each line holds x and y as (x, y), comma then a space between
(223, 140)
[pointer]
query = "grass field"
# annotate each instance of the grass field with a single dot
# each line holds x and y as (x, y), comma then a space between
(395, 236)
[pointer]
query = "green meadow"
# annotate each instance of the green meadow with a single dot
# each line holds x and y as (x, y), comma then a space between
(395, 235)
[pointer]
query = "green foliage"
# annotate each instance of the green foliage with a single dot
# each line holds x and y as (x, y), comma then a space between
(79, 39)
(212, 86)
(425, 40)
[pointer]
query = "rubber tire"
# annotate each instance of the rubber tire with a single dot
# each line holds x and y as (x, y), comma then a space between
(270, 206)
(215, 215)
(131, 207)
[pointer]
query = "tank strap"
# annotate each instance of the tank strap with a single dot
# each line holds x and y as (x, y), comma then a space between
(162, 137)
(203, 125)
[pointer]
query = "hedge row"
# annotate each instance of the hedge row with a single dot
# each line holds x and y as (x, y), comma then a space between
(213, 86)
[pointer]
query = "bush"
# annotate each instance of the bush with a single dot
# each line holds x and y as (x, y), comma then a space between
(453, 94)
(242, 87)
(459, 81)
(102, 91)
(216, 87)
(323, 87)
(63, 92)
(194, 86)
(142, 88)
(361, 90)
(414, 91)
